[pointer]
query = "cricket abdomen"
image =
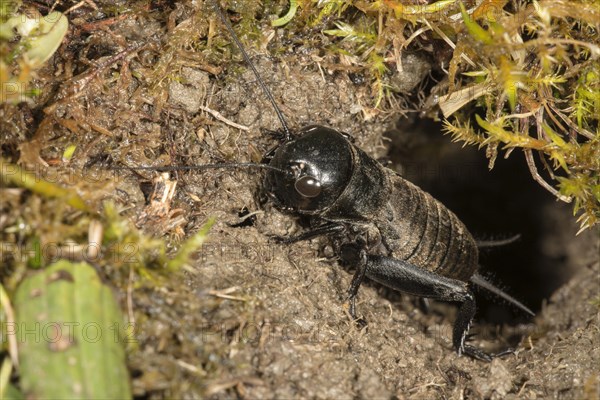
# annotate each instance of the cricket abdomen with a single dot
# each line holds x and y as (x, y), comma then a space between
(422, 231)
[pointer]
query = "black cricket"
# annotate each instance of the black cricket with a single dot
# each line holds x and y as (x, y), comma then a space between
(389, 229)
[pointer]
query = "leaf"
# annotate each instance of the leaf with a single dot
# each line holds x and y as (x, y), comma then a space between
(510, 139)
(555, 137)
(412, 12)
(191, 245)
(69, 151)
(49, 33)
(68, 328)
(476, 73)
(350, 33)
(473, 27)
(489, 9)
(510, 81)
(455, 100)
(463, 132)
(288, 16)
(28, 180)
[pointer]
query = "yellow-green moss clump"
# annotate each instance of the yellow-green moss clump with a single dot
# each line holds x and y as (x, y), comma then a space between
(27, 41)
(531, 69)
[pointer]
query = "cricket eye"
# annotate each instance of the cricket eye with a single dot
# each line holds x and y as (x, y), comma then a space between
(308, 186)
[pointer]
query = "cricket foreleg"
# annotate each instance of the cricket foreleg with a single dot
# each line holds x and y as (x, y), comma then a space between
(326, 229)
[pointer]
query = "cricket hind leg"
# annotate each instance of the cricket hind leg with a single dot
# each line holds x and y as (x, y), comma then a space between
(408, 278)
(465, 315)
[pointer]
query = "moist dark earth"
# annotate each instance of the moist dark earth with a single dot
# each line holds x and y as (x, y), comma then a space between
(254, 319)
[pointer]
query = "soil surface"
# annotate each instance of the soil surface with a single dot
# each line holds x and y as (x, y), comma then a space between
(255, 319)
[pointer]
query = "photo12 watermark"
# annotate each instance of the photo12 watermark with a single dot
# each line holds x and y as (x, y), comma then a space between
(61, 335)
(37, 253)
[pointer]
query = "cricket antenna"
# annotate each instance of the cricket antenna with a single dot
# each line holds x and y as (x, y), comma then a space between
(286, 130)
(168, 168)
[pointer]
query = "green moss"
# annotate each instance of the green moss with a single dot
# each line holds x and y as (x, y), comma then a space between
(27, 41)
(541, 71)
(529, 69)
(74, 228)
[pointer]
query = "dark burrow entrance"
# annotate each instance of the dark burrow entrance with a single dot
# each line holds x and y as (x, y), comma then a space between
(494, 204)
